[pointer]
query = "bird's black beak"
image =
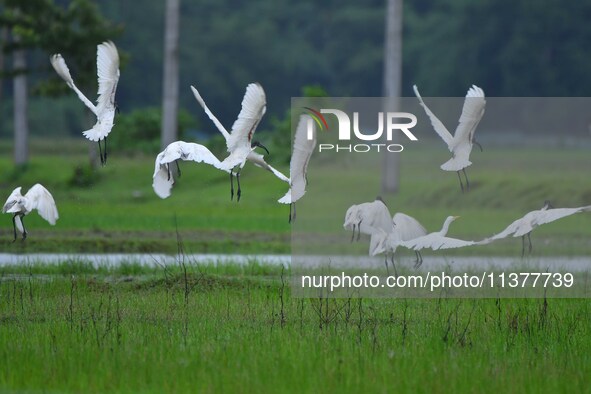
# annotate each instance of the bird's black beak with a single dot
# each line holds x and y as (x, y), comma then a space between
(548, 204)
(255, 144)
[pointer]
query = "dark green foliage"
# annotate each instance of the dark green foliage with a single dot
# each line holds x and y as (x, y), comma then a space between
(140, 130)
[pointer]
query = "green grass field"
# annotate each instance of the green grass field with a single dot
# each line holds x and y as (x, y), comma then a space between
(72, 328)
(119, 212)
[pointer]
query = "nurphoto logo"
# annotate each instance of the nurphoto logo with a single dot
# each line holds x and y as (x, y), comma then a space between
(394, 122)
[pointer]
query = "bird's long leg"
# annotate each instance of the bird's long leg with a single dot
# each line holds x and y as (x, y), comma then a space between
(239, 193)
(477, 144)
(359, 229)
(386, 263)
(231, 186)
(293, 218)
(419, 260)
(522, 246)
(353, 235)
(290, 213)
(105, 150)
(467, 182)
(101, 153)
(24, 228)
(460, 178)
(178, 168)
(393, 265)
(530, 245)
(14, 226)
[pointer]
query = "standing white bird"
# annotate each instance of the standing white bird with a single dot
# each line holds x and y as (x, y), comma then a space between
(239, 141)
(404, 228)
(524, 226)
(436, 241)
(460, 144)
(36, 198)
(367, 218)
(298, 166)
(107, 62)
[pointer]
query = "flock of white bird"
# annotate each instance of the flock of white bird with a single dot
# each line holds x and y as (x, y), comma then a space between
(388, 232)
(239, 141)
(372, 218)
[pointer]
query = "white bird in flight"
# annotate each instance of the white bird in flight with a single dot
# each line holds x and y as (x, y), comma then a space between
(36, 198)
(436, 241)
(163, 180)
(523, 227)
(367, 217)
(107, 62)
(298, 166)
(460, 144)
(239, 141)
(404, 228)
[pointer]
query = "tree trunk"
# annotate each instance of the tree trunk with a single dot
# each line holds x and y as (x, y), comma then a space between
(392, 82)
(170, 81)
(3, 39)
(21, 125)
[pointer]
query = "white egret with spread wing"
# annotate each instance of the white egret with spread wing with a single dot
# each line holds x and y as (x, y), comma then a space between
(107, 61)
(367, 217)
(459, 144)
(239, 141)
(436, 241)
(523, 227)
(404, 228)
(302, 150)
(36, 198)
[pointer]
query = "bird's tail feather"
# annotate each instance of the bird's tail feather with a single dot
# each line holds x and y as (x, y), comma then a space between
(19, 224)
(456, 164)
(162, 183)
(93, 134)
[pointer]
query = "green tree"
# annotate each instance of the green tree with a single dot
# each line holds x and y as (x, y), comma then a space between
(43, 25)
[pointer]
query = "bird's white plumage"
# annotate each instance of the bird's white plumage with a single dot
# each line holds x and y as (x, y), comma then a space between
(368, 217)
(61, 68)
(460, 144)
(163, 178)
(107, 65)
(253, 109)
(533, 219)
(300, 158)
(238, 141)
(259, 160)
(405, 228)
(108, 77)
(37, 198)
(437, 240)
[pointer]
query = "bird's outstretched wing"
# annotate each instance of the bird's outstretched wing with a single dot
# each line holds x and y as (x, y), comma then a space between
(11, 203)
(259, 160)
(40, 199)
(107, 66)
(163, 178)
(509, 230)
(377, 242)
(59, 65)
(550, 215)
(435, 242)
(472, 112)
(210, 114)
(300, 158)
(437, 125)
(253, 109)
(406, 227)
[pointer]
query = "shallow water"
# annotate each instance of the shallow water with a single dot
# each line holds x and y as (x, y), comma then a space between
(474, 263)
